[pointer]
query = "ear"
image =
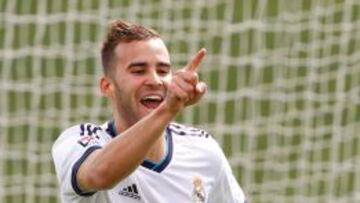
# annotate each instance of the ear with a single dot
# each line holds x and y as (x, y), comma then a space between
(106, 86)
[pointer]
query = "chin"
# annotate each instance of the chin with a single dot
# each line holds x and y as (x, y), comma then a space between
(146, 111)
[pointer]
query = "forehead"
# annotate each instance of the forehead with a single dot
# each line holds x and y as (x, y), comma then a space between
(152, 50)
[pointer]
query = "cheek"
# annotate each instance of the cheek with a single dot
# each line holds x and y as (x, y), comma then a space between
(130, 90)
(125, 83)
(167, 80)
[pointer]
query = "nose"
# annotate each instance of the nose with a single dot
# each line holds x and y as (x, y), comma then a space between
(154, 79)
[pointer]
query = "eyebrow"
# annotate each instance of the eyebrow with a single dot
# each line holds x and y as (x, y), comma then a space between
(144, 64)
(135, 64)
(164, 64)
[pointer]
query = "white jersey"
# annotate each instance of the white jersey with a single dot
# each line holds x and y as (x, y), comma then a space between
(193, 169)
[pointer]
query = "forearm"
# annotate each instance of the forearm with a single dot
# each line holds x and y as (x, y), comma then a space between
(123, 154)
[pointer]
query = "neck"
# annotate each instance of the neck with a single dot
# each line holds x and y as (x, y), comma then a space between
(156, 152)
(120, 124)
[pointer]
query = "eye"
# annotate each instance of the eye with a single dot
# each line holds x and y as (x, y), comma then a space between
(163, 70)
(137, 70)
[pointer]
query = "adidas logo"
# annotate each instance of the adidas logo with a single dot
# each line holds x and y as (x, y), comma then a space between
(130, 191)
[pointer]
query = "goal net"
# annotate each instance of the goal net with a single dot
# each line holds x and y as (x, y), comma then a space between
(283, 76)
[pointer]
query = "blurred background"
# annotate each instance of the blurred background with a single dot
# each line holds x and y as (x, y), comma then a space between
(283, 100)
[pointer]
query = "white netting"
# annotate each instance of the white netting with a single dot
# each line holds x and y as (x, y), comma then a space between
(284, 97)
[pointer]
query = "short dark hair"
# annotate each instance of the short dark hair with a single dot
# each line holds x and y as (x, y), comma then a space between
(122, 32)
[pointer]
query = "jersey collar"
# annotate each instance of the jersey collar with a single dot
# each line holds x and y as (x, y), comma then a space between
(161, 165)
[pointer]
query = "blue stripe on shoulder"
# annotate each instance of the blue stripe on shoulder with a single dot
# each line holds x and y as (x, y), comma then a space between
(75, 169)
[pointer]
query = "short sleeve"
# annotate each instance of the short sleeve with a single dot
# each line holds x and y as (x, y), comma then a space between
(226, 188)
(70, 150)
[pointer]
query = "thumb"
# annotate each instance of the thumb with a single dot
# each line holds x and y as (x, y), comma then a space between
(201, 87)
(200, 90)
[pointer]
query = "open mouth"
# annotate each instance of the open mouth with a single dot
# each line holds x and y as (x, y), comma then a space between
(151, 101)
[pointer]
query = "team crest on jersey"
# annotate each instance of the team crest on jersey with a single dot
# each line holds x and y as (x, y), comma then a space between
(198, 191)
(88, 134)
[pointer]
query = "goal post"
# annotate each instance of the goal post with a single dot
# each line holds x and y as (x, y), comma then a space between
(283, 77)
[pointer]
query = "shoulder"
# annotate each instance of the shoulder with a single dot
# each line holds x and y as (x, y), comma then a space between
(73, 144)
(198, 147)
(82, 135)
(193, 136)
(85, 129)
(196, 140)
(182, 130)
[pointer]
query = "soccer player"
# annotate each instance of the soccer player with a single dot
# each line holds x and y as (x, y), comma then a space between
(141, 155)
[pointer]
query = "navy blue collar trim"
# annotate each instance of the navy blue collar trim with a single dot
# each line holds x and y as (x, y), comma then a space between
(158, 167)
(111, 129)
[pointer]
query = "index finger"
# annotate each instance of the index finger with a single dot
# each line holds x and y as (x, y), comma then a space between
(196, 60)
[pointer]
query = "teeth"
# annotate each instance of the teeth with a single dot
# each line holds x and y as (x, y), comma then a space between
(153, 97)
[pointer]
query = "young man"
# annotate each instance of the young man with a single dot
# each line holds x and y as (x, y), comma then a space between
(140, 155)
